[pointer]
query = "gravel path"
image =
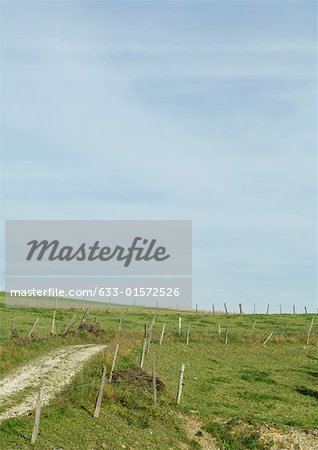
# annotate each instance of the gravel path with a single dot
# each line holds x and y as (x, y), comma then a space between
(54, 371)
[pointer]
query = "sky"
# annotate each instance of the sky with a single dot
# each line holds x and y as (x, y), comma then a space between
(172, 110)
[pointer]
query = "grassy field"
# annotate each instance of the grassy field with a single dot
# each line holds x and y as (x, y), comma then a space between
(226, 384)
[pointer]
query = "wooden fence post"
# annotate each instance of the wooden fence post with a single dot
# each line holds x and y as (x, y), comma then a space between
(85, 315)
(254, 308)
(240, 306)
(113, 363)
(154, 382)
(267, 312)
(100, 394)
(294, 310)
(196, 309)
(53, 323)
(188, 334)
(14, 326)
(150, 335)
(225, 309)
(268, 338)
(280, 308)
(33, 327)
(143, 352)
(226, 335)
(162, 333)
(213, 309)
(305, 309)
(179, 326)
(180, 383)
(69, 325)
(219, 329)
(309, 331)
(36, 426)
(120, 322)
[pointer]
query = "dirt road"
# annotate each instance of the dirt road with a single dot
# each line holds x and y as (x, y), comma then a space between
(18, 391)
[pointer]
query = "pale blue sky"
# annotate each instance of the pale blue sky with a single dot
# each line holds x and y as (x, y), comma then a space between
(181, 110)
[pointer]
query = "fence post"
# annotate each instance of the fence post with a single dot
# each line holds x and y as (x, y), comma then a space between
(69, 325)
(154, 382)
(225, 309)
(162, 333)
(113, 363)
(86, 312)
(179, 326)
(120, 322)
(240, 306)
(36, 426)
(309, 331)
(180, 383)
(53, 323)
(305, 309)
(213, 309)
(143, 352)
(14, 326)
(268, 338)
(150, 335)
(196, 309)
(188, 334)
(294, 311)
(267, 312)
(33, 327)
(226, 335)
(100, 394)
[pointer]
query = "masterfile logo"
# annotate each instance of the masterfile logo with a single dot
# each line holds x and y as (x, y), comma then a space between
(148, 259)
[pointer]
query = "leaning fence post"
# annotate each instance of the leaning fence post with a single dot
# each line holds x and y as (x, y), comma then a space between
(188, 334)
(162, 333)
(85, 315)
(240, 306)
(180, 383)
(33, 327)
(267, 312)
(143, 352)
(225, 309)
(309, 331)
(36, 426)
(268, 338)
(100, 394)
(154, 382)
(113, 363)
(69, 325)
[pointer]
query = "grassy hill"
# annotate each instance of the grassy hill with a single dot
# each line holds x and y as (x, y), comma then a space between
(233, 384)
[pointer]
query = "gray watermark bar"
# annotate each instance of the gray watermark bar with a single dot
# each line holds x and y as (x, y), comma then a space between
(149, 261)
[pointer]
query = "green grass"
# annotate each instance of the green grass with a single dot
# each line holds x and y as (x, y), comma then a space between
(241, 381)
